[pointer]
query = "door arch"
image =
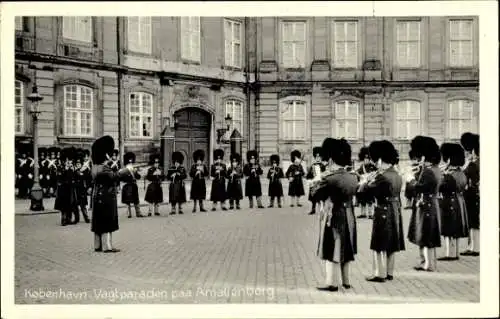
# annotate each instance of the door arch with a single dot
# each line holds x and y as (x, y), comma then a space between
(193, 127)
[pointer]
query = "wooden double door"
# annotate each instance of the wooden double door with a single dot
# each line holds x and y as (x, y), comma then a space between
(192, 133)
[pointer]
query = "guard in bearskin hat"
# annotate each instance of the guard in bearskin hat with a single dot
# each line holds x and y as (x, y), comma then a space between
(424, 227)
(314, 172)
(114, 163)
(295, 173)
(387, 229)
(66, 197)
(53, 166)
(198, 173)
(275, 174)
(234, 176)
(177, 190)
(454, 224)
(81, 177)
(364, 198)
(409, 191)
(154, 192)
(130, 191)
(42, 170)
(338, 238)
(253, 171)
(87, 167)
(470, 143)
(24, 170)
(218, 171)
(104, 203)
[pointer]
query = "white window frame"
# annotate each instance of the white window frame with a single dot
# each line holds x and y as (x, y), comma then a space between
(142, 115)
(408, 134)
(19, 22)
(189, 35)
(77, 28)
(337, 61)
(461, 60)
(231, 107)
(407, 63)
(298, 62)
(283, 118)
(346, 119)
(231, 41)
(79, 110)
(19, 107)
(139, 39)
(461, 128)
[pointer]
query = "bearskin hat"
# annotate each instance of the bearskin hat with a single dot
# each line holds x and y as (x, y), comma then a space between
(68, 153)
(252, 153)
(467, 141)
(475, 145)
(275, 158)
(327, 148)
(430, 149)
(295, 154)
(177, 157)
(78, 156)
(115, 152)
(51, 150)
(454, 153)
(101, 147)
(411, 155)
(199, 155)
(42, 151)
(363, 154)
(235, 157)
(317, 151)
(153, 157)
(341, 154)
(129, 157)
(385, 151)
(218, 153)
(86, 152)
(417, 145)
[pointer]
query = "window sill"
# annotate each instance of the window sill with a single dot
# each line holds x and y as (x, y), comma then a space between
(294, 69)
(139, 54)
(347, 68)
(140, 139)
(72, 138)
(461, 68)
(232, 68)
(80, 43)
(189, 61)
(410, 68)
(293, 141)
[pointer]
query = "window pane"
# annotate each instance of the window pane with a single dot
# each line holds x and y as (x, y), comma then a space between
(454, 129)
(401, 31)
(341, 127)
(300, 130)
(340, 31)
(351, 54)
(287, 31)
(413, 53)
(237, 32)
(352, 110)
(340, 110)
(352, 129)
(414, 127)
(466, 53)
(402, 49)
(237, 55)
(413, 110)
(300, 110)
(19, 23)
(414, 31)
(454, 52)
(300, 31)
(401, 129)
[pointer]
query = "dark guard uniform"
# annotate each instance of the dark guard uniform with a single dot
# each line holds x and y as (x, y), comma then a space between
(176, 175)
(42, 169)
(87, 167)
(154, 192)
(454, 222)
(104, 202)
(363, 197)
(81, 178)
(316, 166)
(198, 174)
(67, 198)
(218, 172)
(295, 173)
(337, 239)
(130, 191)
(470, 143)
(424, 229)
(114, 164)
(275, 175)
(253, 171)
(53, 165)
(234, 176)
(409, 187)
(23, 170)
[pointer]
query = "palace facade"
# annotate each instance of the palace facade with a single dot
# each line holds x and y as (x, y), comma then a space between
(167, 83)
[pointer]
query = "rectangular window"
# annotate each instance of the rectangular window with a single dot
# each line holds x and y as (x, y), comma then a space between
(345, 44)
(141, 114)
(235, 109)
(78, 110)
(460, 118)
(407, 114)
(461, 48)
(232, 36)
(346, 120)
(191, 47)
(139, 34)
(294, 44)
(19, 23)
(19, 107)
(408, 43)
(293, 120)
(77, 28)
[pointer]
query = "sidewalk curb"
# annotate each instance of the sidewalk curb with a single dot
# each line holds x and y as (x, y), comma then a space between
(54, 211)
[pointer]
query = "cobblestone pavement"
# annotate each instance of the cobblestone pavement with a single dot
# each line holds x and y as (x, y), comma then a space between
(246, 256)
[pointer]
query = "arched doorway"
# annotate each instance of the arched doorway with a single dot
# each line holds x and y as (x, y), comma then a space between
(192, 132)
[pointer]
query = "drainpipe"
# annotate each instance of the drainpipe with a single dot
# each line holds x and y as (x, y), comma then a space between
(121, 141)
(247, 83)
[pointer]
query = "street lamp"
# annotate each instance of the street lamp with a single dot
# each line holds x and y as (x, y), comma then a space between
(36, 191)
(220, 132)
